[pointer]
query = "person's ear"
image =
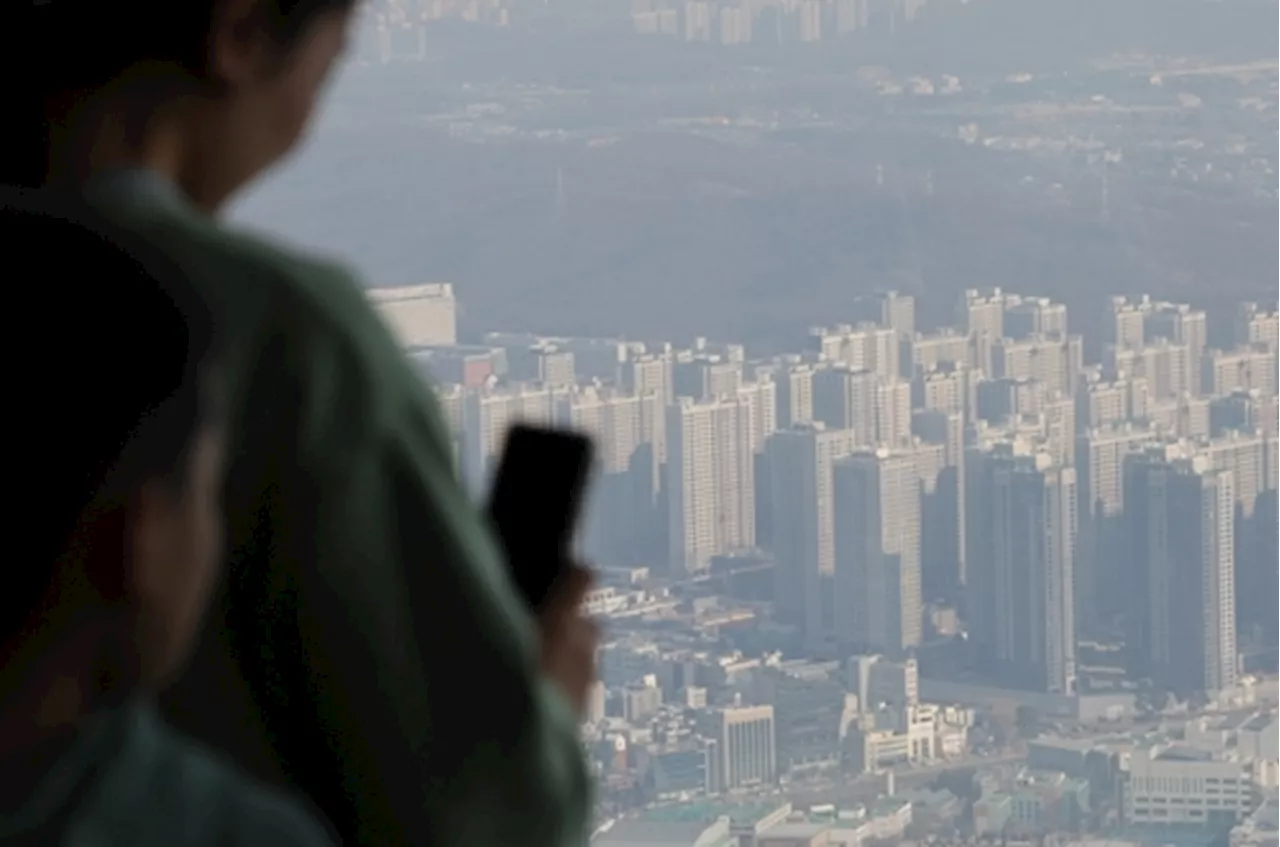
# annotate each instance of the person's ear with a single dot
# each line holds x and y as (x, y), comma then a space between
(238, 47)
(149, 540)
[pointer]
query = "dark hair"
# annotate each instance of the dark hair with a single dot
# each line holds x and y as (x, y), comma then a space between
(51, 49)
(109, 370)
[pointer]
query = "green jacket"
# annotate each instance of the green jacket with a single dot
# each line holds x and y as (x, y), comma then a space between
(369, 617)
(126, 780)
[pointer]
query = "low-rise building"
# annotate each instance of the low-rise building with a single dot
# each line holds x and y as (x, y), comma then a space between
(1185, 785)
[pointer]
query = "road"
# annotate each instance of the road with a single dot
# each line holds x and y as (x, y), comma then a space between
(914, 776)
(844, 792)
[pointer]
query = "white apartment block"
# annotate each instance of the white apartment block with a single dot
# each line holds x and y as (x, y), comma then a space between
(865, 347)
(487, 414)
(710, 480)
(419, 314)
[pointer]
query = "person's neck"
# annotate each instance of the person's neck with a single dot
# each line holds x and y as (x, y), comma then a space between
(100, 135)
(106, 151)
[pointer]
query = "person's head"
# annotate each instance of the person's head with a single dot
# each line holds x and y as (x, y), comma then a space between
(114, 404)
(212, 92)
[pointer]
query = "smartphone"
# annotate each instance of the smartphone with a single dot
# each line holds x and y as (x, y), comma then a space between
(536, 504)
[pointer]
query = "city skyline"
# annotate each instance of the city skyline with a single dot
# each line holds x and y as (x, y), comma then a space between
(737, 435)
(854, 552)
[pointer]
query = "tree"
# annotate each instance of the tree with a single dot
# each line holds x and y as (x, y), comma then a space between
(1151, 700)
(961, 782)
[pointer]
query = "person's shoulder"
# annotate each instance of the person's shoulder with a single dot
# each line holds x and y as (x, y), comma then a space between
(294, 314)
(219, 804)
(265, 288)
(229, 258)
(319, 308)
(325, 288)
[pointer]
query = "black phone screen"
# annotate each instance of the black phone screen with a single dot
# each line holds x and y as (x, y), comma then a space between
(536, 503)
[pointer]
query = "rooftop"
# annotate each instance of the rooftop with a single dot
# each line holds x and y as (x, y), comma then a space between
(796, 830)
(1258, 722)
(1183, 753)
(392, 294)
(643, 833)
(739, 814)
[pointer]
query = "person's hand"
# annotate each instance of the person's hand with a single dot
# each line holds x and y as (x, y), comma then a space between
(570, 638)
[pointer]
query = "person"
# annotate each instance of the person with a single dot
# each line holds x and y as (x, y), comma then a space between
(117, 508)
(373, 652)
